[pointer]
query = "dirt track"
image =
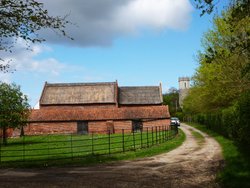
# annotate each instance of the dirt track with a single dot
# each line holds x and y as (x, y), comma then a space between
(190, 165)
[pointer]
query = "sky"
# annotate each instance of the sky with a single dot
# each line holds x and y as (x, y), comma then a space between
(136, 42)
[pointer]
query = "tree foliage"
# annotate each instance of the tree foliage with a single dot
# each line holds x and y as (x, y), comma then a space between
(172, 100)
(14, 108)
(23, 19)
(223, 77)
(208, 6)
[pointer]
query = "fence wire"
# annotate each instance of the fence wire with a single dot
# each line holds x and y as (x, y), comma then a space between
(54, 147)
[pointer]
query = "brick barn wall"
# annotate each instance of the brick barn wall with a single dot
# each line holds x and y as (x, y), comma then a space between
(98, 127)
(156, 123)
(101, 127)
(71, 127)
(50, 128)
(9, 132)
(126, 125)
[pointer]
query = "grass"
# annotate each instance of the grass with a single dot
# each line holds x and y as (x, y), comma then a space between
(61, 150)
(236, 172)
(200, 139)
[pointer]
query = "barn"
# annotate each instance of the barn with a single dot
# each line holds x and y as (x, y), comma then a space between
(97, 108)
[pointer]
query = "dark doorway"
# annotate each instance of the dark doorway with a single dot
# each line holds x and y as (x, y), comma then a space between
(137, 126)
(82, 127)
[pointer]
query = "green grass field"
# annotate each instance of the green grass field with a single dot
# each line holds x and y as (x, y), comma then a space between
(236, 172)
(53, 150)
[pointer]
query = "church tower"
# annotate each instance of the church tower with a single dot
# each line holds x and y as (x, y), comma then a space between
(184, 85)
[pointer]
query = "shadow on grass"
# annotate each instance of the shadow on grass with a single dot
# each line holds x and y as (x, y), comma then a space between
(21, 143)
(60, 161)
(237, 170)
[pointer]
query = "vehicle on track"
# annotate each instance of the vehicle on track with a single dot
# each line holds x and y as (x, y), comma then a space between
(175, 121)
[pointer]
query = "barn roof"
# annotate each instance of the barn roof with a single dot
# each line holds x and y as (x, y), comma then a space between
(95, 114)
(78, 93)
(140, 95)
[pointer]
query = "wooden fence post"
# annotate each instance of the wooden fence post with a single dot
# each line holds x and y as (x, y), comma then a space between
(92, 143)
(23, 148)
(147, 137)
(134, 139)
(152, 132)
(123, 146)
(141, 140)
(109, 142)
(71, 149)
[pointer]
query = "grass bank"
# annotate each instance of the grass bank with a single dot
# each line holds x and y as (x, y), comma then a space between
(200, 139)
(236, 172)
(98, 158)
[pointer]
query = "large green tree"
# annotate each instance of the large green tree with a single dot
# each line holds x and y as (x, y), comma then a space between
(222, 80)
(14, 108)
(23, 19)
(223, 73)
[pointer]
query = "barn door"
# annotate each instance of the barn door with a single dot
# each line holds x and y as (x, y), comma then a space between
(82, 127)
(137, 125)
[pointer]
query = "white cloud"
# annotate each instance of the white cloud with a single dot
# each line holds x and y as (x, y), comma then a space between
(156, 14)
(25, 61)
(99, 22)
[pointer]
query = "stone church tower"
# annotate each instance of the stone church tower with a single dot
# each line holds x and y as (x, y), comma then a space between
(184, 85)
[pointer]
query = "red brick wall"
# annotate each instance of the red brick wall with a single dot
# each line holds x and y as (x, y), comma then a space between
(98, 127)
(50, 128)
(101, 127)
(104, 126)
(8, 132)
(157, 123)
(126, 125)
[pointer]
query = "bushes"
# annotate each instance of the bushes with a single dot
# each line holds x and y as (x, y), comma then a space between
(244, 118)
(232, 122)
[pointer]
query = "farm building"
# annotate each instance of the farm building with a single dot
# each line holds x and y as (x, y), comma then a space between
(97, 107)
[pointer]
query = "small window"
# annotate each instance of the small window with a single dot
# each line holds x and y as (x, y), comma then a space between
(82, 127)
(137, 126)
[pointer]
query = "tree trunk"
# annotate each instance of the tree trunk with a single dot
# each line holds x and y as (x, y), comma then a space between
(4, 136)
(22, 132)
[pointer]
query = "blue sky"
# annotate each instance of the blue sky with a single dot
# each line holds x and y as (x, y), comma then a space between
(135, 50)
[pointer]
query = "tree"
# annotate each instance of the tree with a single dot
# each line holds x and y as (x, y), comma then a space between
(208, 6)
(220, 95)
(172, 100)
(23, 19)
(14, 108)
(222, 75)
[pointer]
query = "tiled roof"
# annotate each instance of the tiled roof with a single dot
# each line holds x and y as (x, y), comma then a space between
(92, 114)
(140, 95)
(78, 93)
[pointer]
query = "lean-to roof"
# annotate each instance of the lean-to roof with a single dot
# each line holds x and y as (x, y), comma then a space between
(96, 114)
